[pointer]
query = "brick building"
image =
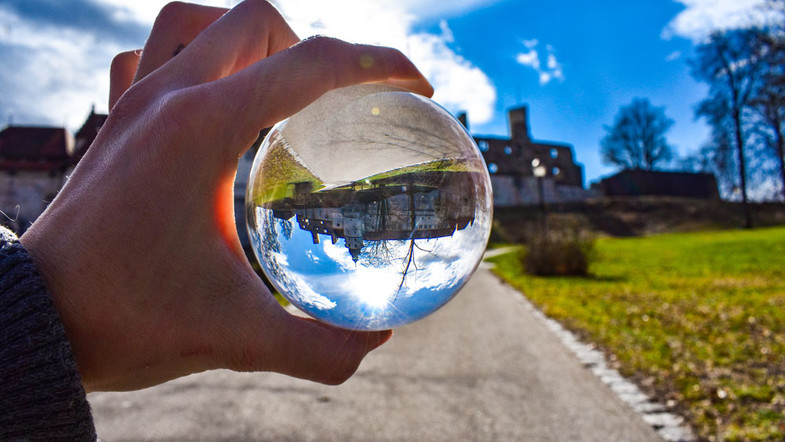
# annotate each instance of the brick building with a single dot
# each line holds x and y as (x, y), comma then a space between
(510, 163)
(660, 183)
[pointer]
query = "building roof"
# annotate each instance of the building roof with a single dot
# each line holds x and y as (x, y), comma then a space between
(636, 182)
(87, 133)
(46, 148)
(34, 148)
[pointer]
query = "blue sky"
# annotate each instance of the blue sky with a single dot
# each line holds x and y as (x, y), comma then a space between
(573, 62)
(323, 280)
(604, 54)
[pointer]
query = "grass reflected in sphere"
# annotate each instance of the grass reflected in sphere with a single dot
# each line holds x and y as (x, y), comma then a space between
(370, 208)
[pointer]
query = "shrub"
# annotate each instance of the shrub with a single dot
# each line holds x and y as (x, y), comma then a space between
(499, 234)
(566, 249)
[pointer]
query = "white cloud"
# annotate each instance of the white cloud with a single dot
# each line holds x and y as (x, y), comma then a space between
(351, 20)
(63, 72)
(438, 263)
(532, 59)
(299, 288)
(145, 11)
(702, 17)
(459, 85)
(439, 8)
(675, 55)
(52, 76)
(447, 34)
(552, 63)
(531, 44)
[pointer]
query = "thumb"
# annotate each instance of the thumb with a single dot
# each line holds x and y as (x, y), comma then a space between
(322, 353)
(301, 347)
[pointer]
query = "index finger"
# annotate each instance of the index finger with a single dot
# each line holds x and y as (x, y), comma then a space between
(175, 27)
(279, 86)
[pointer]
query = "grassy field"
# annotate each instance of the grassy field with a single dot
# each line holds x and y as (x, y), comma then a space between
(446, 165)
(281, 170)
(696, 319)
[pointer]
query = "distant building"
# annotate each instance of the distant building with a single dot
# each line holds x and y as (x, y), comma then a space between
(658, 183)
(86, 134)
(33, 165)
(510, 164)
(35, 162)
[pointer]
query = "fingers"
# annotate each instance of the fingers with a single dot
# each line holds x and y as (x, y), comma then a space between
(249, 32)
(249, 331)
(121, 74)
(281, 85)
(177, 25)
(419, 85)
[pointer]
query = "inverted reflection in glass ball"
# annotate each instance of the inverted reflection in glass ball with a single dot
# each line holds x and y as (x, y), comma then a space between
(370, 208)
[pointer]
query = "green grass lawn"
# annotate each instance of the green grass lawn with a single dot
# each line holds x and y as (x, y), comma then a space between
(281, 170)
(446, 165)
(697, 319)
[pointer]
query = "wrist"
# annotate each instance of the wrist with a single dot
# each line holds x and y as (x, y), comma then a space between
(41, 395)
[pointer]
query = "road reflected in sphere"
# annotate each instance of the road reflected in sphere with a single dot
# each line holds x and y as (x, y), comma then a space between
(370, 208)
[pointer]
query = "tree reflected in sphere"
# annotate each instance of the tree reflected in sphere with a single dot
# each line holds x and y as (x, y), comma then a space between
(370, 208)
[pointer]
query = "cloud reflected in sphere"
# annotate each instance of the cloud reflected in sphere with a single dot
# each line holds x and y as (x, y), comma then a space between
(370, 208)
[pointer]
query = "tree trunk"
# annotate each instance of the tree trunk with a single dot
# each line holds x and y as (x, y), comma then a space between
(781, 156)
(742, 169)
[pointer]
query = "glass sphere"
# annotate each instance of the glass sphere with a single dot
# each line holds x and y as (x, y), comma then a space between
(370, 208)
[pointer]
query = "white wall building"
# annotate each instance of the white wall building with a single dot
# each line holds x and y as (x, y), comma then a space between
(33, 165)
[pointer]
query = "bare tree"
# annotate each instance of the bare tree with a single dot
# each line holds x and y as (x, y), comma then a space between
(637, 138)
(731, 64)
(772, 112)
(769, 101)
(716, 157)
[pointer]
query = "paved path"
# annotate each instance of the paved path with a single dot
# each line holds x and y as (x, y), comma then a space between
(480, 369)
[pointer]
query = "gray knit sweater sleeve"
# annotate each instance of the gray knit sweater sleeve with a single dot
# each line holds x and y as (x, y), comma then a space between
(41, 394)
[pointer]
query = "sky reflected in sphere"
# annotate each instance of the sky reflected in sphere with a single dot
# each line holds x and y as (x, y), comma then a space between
(370, 208)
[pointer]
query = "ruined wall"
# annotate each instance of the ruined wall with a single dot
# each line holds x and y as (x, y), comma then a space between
(510, 160)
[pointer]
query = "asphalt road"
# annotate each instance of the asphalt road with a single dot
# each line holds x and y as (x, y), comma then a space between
(480, 369)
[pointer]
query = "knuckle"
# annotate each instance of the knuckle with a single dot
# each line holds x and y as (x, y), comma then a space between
(127, 106)
(161, 114)
(259, 8)
(266, 14)
(326, 54)
(171, 12)
(174, 105)
(322, 44)
(277, 33)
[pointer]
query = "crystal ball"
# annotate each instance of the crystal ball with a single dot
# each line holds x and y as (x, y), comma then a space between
(370, 208)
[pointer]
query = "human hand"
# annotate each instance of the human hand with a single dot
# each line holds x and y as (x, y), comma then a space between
(139, 250)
